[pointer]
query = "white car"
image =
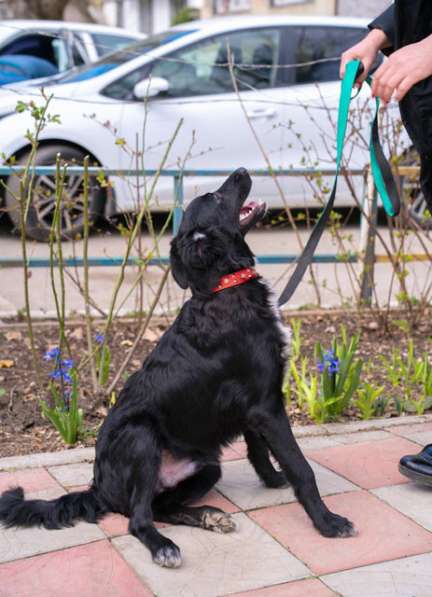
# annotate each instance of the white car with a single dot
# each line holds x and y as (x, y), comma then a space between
(63, 45)
(123, 111)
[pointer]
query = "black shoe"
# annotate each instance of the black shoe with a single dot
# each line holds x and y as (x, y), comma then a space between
(418, 467)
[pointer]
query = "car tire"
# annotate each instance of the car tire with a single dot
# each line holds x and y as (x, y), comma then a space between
(41, 210)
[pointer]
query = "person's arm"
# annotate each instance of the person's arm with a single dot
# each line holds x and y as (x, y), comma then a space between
(385, 22)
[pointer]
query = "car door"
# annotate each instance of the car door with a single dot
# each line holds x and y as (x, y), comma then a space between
(218, 132)
(312, 97)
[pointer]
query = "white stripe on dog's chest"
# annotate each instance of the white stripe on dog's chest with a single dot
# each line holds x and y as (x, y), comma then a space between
(285, 331)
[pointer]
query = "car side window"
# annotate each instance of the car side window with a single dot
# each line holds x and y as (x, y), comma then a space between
(321, 43)
(106, 43)
(33, 44)
(202, 69)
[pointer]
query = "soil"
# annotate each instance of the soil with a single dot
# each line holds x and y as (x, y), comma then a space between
(23, 430)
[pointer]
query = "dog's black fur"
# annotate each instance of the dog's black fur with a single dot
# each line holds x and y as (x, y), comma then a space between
(215, 374)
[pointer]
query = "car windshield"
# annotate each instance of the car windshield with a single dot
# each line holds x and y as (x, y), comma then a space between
(118, 58)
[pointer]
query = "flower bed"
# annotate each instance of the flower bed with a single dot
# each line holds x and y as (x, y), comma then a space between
(391, 362)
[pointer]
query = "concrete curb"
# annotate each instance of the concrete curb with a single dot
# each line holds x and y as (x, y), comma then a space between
(77, 455)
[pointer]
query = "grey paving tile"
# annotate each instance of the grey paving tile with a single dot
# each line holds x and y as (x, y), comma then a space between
(215, 564)
(69, 475)
(241, 485)
(415, 501)
(407, 577)
(420, 437)
(17, 543)
(46, 459)
(317, 442)
(362, 436)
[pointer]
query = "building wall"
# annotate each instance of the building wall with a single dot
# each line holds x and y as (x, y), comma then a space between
(365, 8)
(294, 7)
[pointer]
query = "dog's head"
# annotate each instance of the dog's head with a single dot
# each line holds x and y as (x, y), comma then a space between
(210, 241)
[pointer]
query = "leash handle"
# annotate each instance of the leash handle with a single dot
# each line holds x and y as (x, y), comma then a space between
(381, 172)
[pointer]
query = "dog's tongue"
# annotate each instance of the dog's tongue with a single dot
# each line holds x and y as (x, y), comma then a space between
(248, 207)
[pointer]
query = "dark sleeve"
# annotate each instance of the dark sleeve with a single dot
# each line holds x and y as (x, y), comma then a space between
(386, 22)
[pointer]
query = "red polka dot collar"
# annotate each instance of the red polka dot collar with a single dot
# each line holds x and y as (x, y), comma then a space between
(235, 279)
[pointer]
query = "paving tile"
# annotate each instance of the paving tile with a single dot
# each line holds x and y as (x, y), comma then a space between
(30, 479)
(415, 501)
(215, 564)
(73, 474)
(362, 436)
(318, 442)
(47, 459)
(407, 577)
(301, 588)
(420, 433)
(114, 525)
(241, 485)
(217, 500)
(384, 533)
(94, 570)
(368, 464)
(229, 453)
(17, 543)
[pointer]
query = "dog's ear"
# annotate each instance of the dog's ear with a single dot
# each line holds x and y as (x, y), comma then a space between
(178, 270)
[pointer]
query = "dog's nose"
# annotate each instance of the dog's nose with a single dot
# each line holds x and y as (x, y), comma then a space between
(240, 173)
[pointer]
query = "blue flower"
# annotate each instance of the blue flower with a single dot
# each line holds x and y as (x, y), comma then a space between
(52, 354)
(330, 356)
(61, 374)
(99, 338)
(67, 363)
(334, 366)
(329, 361)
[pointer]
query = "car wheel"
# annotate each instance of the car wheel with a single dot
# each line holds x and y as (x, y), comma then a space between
(41, 210)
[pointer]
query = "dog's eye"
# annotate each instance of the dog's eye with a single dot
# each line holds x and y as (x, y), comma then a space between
(198, 236)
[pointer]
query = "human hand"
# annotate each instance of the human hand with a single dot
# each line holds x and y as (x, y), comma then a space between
(403, 69)
(366, 51)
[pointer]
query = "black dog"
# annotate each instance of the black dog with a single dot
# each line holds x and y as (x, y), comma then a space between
(215, 374)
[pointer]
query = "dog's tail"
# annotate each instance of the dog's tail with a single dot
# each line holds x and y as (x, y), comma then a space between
(15, 510)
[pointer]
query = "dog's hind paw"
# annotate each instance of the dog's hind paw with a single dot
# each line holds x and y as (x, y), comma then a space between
(168, 556)
(218, 521)
(337, 526)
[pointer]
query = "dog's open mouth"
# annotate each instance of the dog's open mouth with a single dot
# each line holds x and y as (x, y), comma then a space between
(250, 213)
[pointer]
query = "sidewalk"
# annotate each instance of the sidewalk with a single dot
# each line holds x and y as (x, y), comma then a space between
(274, 553)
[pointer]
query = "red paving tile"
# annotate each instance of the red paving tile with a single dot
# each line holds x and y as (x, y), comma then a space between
(368, 464)
(93, 570)
(214, 498)
(384, 533)
(230, 453)
(36, 479)
(114, 525)
(302, 588)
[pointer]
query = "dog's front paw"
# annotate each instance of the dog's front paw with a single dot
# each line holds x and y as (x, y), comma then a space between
(168, 556)
(333, 525)
(218, 521)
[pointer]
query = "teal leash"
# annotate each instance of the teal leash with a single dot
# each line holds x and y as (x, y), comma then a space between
(381, 172)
